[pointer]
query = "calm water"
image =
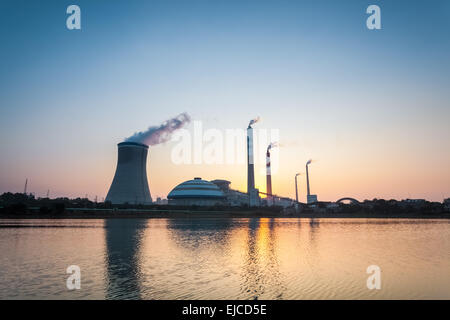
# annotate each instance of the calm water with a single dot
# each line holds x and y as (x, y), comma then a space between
(225, 258)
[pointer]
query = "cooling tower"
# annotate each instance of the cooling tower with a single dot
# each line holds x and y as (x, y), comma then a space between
(130, 183)
(250, 161)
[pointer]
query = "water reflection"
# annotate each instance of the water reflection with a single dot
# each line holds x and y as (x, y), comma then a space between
(197, 233)
(260, 272)
(123, 243)
(265, 258)
(250, 246)
(313, 228)
(251, 273)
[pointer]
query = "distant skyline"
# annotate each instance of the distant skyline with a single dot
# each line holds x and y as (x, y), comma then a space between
(372, 107)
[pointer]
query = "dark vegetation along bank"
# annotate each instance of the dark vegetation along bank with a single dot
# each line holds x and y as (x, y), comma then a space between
(19, 205)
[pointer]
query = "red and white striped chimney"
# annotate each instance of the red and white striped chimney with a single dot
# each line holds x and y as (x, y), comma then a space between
(268, 175)
(250, 161)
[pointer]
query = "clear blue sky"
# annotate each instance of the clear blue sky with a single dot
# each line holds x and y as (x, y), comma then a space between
(375, 101)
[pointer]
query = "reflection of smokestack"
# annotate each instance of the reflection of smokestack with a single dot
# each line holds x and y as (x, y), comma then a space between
(268, 175)
(130, 183)
(307, 177)
(250, 161)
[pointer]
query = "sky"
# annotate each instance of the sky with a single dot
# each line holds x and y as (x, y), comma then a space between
(370, 107)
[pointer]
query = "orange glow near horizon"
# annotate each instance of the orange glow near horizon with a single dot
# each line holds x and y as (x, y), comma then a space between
(351, 169)
(361, 177)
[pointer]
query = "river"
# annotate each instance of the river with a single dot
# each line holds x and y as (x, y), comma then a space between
(240, 258)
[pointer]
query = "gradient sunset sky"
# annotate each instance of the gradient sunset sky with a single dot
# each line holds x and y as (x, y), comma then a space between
(371, 107)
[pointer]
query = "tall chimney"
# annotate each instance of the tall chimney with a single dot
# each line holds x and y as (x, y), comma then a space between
(268, 175)
(250, 161)
(130, 183)
(25, 189)
(307, 178)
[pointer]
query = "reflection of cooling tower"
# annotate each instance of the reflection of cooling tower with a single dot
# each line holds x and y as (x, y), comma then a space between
(250, 162)
(130, 181)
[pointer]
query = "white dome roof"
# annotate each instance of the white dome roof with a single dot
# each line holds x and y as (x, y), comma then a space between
(196, 188)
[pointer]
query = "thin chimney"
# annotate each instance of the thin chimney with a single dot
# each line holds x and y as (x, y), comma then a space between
(25, 188)
(307, 178)
(250, 160)
(268, 175)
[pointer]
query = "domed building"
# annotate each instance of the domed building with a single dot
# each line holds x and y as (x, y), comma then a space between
(196, 192)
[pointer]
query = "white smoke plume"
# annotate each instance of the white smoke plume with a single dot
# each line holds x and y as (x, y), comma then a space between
(273, 145)
(162, 133)
(253, 121)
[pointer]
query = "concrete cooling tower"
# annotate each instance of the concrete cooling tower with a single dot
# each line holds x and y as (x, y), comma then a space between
(130, 183)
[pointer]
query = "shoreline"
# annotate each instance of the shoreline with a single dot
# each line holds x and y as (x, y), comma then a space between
(185, 214)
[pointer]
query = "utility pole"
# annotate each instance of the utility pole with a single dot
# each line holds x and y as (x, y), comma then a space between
(296, 189)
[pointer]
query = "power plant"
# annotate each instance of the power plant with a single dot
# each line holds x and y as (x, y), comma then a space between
(130, 183)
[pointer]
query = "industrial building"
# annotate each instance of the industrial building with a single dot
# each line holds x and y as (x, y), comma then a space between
(196, 192)
(233, 198)
(200, 192)
(130, 183)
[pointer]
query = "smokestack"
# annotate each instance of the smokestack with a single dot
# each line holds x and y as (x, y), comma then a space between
(268, 170)
(268, 174)
(307, 177)
(25, 188)
(296, 188)
(250, 159)
(130, 183)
